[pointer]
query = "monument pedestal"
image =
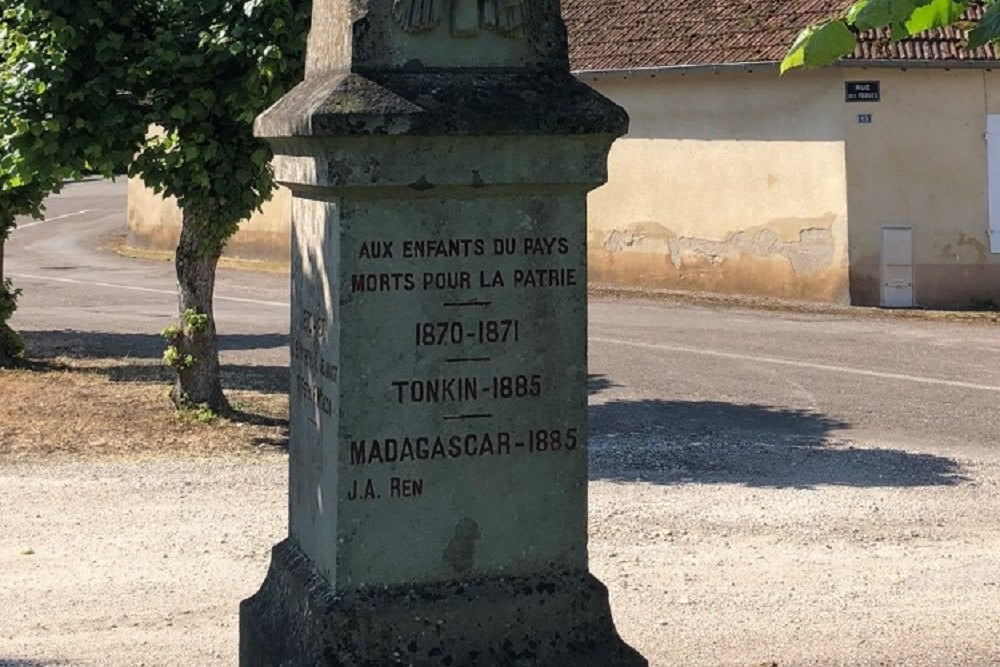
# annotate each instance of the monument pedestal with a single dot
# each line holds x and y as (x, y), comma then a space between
(553, 621)
(438, 428)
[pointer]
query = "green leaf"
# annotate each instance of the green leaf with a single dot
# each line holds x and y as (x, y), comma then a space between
(883, 13)
(899, 32)
(851, 17)
(935, 14)
(988, 28)
(819, 46)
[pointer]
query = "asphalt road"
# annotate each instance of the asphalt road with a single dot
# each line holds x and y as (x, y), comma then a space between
(101, 302)
(901, 383)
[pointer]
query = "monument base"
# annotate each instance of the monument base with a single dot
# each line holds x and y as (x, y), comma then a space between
(297, 620)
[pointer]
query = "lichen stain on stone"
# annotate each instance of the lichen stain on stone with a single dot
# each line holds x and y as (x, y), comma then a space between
(461, 550)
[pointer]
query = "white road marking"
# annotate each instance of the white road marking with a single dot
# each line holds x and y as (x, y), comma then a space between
(58, 217)
(24, 276)
(799, 364)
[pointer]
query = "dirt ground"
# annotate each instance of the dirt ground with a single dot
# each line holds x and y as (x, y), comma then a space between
(116, 550)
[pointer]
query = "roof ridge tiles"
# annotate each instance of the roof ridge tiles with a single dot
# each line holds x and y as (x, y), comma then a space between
(624, 34)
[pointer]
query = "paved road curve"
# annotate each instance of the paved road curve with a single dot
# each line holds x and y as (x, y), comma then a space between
(903, 383)
(72, 282)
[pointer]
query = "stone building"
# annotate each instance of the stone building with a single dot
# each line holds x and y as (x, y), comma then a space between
(876, 182)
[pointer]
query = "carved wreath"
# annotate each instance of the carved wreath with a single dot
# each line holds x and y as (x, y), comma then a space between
(505, 17)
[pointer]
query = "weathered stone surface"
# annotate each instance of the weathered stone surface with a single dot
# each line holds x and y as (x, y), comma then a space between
(439, 360)
(479, 102)
(557, 620)
(366, 35)
(440, 157)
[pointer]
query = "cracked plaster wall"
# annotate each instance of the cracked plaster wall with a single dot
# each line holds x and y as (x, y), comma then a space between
(726, 183)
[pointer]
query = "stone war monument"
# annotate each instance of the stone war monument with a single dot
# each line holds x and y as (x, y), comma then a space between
(439, 154)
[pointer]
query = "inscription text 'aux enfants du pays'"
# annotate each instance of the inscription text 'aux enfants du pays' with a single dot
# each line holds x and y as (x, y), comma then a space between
(466, 340)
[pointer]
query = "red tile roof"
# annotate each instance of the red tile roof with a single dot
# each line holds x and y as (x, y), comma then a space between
(624, 34)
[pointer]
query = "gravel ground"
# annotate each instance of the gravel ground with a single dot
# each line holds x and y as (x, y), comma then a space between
(721, 552)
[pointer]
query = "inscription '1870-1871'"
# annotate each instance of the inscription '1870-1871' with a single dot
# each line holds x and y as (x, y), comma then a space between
(460, 333)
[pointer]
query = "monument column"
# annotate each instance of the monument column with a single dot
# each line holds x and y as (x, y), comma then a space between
(440, 154)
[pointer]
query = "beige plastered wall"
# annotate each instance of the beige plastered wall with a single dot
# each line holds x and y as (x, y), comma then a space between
(921, 163)
(725, 183)
(731, 182)
(154, 224)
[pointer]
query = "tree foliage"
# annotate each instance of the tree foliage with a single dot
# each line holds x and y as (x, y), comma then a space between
(64, 109)
(212, 68)
(81, 83)
(823, 44)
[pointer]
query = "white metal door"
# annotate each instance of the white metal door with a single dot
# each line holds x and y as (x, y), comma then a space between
(897, 267)
(993, 178)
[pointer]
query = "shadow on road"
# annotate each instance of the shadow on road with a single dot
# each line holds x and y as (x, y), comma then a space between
(673, 442)
(96, 344)
(598, 383)
(135, 357)
(19, 662)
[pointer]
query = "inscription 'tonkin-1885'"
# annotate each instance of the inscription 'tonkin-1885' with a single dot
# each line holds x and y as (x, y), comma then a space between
(459, 389)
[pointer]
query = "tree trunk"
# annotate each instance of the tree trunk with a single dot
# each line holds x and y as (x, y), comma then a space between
(11, 345)
(195, 356)
(6, 355)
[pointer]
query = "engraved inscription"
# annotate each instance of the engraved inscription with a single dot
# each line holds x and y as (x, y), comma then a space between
(479, 322)
(310, 366)
(526, 277)
(459, 333)
(399, 487)
(458, 389)
(400, 449)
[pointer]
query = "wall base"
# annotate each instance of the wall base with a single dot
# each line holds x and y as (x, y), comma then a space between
(297, 620)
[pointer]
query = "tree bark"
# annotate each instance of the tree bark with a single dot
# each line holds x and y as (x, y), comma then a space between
(11, 345)
(197, 355)
(6, 358)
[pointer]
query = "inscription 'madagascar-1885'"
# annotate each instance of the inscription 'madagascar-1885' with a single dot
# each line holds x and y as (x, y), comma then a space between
(468, 445)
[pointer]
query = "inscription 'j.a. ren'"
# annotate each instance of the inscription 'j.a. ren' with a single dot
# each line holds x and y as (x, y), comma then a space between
(399, 487)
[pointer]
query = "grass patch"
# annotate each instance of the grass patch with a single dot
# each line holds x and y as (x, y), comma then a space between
(68, 407)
